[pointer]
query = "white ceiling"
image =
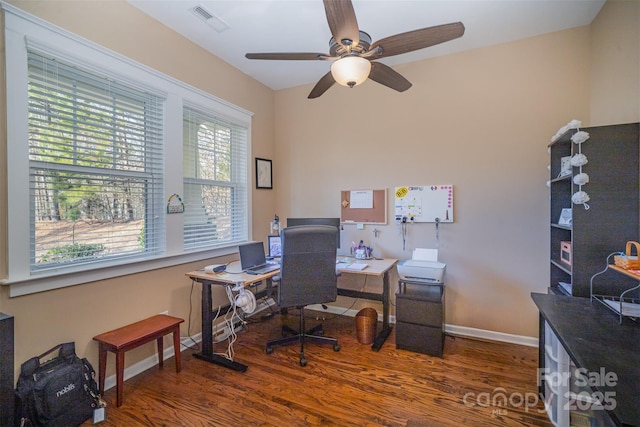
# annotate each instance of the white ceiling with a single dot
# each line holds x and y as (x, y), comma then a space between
(259, 26)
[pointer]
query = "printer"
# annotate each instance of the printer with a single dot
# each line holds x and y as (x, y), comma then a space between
(422, 267)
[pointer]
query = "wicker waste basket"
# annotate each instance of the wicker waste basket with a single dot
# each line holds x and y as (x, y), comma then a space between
(366, 325)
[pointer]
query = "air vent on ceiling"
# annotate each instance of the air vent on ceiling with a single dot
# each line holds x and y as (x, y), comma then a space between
(210, 19)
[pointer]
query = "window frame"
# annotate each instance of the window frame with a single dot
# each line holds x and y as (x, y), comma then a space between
(23, 30)
(193, 161)
(67, 106)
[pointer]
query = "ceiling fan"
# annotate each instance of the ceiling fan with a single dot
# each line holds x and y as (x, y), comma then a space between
(352, 50)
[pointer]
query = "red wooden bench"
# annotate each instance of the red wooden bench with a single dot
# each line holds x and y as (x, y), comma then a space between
(134, 335)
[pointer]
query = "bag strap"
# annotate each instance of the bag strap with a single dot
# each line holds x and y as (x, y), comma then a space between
(67, 350)
(48, 352)
(29, 367)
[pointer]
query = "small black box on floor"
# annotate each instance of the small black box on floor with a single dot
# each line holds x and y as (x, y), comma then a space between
(420, 318)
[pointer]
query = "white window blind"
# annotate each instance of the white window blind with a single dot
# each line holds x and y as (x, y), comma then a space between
(95, 167)
(215, 181)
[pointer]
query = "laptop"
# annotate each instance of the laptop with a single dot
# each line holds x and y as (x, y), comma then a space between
(253, 259)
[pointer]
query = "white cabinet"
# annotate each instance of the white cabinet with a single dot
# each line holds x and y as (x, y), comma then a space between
(568, 399)
(556, 373)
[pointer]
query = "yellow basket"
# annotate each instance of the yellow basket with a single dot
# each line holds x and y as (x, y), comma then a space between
(628, 261)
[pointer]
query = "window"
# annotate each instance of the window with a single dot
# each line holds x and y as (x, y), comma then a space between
(95, 167)
(96, 145)
(215, 181)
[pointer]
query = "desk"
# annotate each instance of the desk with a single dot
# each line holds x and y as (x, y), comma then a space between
(378, 268)
(220, 279)
(597, 343)
(375, 267)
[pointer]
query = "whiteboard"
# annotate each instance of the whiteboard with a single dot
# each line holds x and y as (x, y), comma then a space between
(424, 203)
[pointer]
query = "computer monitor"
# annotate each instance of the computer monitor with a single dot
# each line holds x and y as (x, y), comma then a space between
(316, 221)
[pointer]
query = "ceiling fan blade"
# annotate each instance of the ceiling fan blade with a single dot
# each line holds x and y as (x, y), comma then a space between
(387, 76)
(322, 86)
(417, 39)
(342, 21)
(288, 56)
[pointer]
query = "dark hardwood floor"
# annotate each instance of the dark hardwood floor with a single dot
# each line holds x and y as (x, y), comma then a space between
(353, 387)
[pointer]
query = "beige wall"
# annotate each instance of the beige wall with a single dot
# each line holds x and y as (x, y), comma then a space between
(78, 313)
(615, 63)
(480, 120)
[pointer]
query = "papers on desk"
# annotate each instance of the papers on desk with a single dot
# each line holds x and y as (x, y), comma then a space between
(354, 266)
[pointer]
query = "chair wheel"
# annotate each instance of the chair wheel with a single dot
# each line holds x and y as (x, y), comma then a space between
(303, 362)
(268, 350)
(336, 347)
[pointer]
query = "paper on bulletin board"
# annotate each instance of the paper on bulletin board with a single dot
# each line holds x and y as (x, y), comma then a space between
(361, 199)
(363, 206)
(428, 203)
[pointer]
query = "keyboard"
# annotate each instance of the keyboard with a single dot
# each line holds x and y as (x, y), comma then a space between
(263, 269)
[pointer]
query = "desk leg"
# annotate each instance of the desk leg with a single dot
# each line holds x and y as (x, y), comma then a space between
(207, 334)
(386, 328)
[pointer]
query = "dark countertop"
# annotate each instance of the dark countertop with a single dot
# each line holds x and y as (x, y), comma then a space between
(594, 339)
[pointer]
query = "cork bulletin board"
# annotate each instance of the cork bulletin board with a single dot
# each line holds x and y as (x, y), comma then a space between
(363, 206)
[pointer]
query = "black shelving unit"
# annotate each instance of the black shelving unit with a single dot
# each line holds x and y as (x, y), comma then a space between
(612, 218)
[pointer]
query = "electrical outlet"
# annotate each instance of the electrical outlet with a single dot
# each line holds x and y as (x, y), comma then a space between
(165, 312)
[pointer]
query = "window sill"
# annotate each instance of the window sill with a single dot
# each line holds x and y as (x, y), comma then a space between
(56, 281)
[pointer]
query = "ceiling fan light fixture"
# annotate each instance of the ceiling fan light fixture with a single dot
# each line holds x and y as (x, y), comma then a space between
(350, 70)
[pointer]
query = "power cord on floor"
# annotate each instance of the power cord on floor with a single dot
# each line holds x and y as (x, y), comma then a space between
(355, 300)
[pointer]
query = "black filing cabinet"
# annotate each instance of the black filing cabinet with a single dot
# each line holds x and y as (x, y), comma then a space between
(6, 370)
(420, 317)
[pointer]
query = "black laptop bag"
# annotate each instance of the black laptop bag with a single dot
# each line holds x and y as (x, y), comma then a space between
(62, 391)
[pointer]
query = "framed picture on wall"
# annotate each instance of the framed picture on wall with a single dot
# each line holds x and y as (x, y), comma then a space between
(264, 177)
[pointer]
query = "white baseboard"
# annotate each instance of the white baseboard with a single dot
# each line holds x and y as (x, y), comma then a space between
(187, 342)
(220, 331)
(151, 361)
(462, 331)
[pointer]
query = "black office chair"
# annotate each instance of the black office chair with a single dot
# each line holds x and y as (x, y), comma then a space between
(307, 276)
